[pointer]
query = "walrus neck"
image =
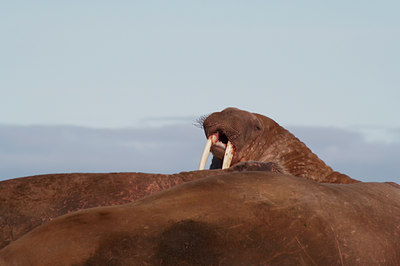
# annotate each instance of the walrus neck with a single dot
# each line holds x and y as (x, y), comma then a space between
(296, 158)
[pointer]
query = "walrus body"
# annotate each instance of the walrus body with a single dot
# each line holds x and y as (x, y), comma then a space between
(247, 218)
(26, 203)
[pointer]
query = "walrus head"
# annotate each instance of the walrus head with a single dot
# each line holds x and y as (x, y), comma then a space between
(231, 134)
(235, 136)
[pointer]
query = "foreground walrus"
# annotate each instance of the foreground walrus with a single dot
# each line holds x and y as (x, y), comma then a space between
(29, 202)
(248, 218)
(26, 203)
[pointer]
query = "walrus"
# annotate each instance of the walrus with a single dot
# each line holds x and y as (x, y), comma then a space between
(235, 136)
(239, 218)
(26, 203)
(254, 142)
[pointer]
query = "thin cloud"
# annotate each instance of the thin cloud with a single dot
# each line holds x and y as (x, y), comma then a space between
(172, 148)
(43, 149)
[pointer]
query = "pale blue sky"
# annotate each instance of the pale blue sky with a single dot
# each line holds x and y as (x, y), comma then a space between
(115, 63)
(119, 64)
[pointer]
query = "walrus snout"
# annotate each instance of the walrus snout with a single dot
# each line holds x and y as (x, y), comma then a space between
(221, 147)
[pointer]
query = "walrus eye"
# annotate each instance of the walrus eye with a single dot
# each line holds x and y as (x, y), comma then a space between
(258, 127)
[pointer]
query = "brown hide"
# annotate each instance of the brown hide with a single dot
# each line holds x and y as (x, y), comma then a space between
(247, 218)
(26, 203)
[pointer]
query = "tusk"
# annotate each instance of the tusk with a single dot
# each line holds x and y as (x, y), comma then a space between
(228, 156)
(206, 152)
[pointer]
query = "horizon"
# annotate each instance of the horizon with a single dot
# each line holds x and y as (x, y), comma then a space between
(50, 149)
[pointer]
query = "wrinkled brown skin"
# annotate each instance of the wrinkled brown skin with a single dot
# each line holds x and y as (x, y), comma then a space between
(26, 203)
(245, 218)
(259, 138)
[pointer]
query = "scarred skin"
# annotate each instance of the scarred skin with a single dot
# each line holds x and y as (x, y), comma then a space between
(245, 218)
(259, 138)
